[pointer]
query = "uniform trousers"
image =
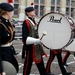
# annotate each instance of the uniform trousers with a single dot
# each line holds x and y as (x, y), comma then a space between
(28, 64)
(59, 58)
(64, 60)
(23, 52)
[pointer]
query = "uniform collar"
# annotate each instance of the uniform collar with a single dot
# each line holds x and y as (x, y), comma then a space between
(3, 19)
(31, 18)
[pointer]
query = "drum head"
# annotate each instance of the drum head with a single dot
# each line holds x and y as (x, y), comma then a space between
(8, 68)
(57, 28)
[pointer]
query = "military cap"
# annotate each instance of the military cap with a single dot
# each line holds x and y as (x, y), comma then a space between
(6, 6)
(29, 9)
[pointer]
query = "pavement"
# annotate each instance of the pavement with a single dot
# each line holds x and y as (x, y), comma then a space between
(54, 66)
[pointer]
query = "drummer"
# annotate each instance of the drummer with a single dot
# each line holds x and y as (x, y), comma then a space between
(34, 50)
(6, 36)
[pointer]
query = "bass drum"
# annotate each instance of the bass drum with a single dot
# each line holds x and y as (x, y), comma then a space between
(57, 28)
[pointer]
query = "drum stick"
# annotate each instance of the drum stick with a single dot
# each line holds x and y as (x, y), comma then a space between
(44, 33)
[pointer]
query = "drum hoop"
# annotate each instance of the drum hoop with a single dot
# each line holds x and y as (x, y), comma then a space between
(71, 20)
(48, 14)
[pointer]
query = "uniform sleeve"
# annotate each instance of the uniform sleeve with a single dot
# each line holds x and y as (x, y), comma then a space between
(1, 69)
(25, 31)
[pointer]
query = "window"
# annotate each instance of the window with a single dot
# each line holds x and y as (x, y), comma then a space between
(72, 3)
(36, 1)
(67, 11)
(15, 12)
(70, 8)
(72, 12)
(52, 9)
(41, 10)
(39, 7)
(16, 8)
(58, 9)
(53, 2)
(58, 2)
(68, 2)
(16, 1)
(55, 5)
(36, 9)
(41, 1)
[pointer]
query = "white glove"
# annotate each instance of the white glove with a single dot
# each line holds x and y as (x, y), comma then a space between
(37, 41)
(31, 40)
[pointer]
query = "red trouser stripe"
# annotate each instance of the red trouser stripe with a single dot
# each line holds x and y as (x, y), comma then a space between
(65, 57)
(49, 62)
(26, 63)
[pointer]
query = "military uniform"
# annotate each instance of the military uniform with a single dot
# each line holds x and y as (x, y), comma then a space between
(33, 52)
(6, 37)
(64, 60)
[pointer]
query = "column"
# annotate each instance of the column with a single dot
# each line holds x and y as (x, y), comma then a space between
(29, 2)
(3, 1)
(63, 6)
(47, 6)
(22, 6)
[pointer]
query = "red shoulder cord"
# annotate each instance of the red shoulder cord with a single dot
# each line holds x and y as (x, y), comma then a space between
(28, 25)
(27, 22)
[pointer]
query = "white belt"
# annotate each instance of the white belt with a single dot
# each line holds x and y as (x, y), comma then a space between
(6, 45)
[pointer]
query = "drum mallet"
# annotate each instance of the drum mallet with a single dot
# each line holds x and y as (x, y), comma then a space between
(44, 33)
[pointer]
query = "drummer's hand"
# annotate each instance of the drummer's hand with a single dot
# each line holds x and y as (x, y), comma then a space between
(38, 41)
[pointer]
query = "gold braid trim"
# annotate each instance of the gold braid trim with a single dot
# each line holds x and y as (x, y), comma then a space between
(10, 30)
(5, 27)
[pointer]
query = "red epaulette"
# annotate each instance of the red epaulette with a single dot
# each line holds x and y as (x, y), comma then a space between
(28, 24)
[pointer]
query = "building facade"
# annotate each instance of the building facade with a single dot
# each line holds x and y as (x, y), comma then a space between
(43, 7)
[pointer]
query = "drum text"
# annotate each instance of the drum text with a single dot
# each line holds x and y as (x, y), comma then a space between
(52, 19)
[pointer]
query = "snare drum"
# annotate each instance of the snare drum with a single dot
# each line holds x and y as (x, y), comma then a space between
(57, 28)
